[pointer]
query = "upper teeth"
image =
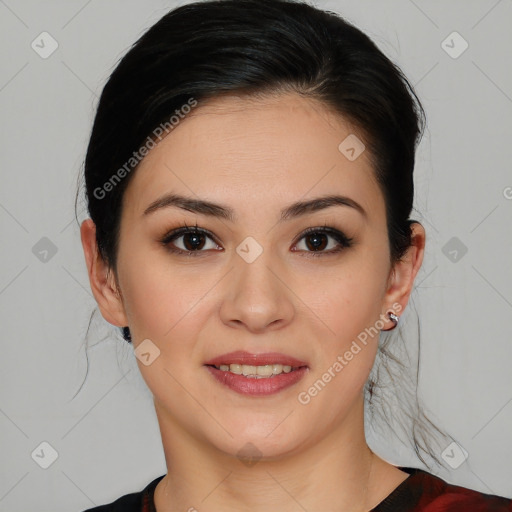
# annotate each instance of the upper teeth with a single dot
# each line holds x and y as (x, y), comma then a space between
(263, 371)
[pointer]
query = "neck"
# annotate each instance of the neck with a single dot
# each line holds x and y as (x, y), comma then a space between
(336, 471)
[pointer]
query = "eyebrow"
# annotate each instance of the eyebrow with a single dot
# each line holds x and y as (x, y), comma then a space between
(224, 212)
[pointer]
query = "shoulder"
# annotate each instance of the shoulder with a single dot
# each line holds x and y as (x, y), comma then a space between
(443, 496)
(132, 502)
(425, 492)
(128, 503)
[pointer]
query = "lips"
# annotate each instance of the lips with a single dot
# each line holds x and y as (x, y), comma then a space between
(246, 358)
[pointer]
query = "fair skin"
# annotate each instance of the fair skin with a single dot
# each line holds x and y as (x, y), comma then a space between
(257, 156)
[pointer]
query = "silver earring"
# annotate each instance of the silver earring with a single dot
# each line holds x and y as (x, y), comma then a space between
(394, 319)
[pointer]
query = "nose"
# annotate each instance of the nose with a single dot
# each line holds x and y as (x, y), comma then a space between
(257, 297)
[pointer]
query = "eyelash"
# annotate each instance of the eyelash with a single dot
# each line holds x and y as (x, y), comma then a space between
(344, 241)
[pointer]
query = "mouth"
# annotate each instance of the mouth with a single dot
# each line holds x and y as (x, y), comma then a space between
(256, 374)
(263, 365)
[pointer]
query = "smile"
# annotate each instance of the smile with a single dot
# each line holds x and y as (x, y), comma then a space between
(258, 372)
(253, 384)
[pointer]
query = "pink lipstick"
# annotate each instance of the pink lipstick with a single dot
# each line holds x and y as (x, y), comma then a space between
(257, 374)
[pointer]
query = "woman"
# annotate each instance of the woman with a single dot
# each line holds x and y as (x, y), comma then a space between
(249, 181)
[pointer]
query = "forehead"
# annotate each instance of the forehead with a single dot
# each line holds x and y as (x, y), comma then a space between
(272, 149)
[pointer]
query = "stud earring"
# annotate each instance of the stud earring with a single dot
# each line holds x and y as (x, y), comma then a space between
(125, 331)
(394, 319)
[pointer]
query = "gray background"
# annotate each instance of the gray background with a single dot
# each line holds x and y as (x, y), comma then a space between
(107, 437)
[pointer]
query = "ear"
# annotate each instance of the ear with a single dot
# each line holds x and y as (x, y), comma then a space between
(101, 278)
(403, 273)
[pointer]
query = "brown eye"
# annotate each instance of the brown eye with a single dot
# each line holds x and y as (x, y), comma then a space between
(189, 241)
(317, 240)
(193, 241)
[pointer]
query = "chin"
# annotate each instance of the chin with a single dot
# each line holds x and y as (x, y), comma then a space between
(257, 441)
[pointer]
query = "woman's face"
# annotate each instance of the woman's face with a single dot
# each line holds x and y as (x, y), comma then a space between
(255, 282)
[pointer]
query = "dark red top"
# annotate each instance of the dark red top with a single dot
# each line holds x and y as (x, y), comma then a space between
(420, 492)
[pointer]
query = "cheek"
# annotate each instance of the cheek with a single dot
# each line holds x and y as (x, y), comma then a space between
(165, 305)
(348, 308)
(346, 303)
(347, 299)
(158, 301)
